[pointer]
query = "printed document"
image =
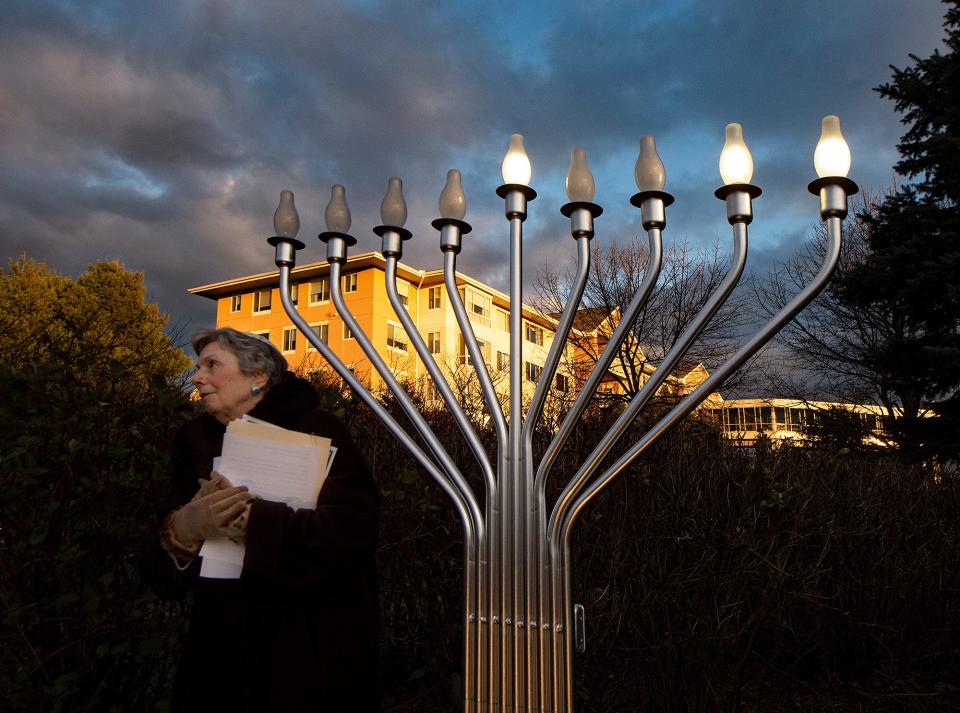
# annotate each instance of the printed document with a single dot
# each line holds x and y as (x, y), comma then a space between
(276, 464)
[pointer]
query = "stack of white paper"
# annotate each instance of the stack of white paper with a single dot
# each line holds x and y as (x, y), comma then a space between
(276, 464)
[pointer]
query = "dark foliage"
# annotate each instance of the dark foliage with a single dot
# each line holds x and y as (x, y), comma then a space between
(713, 578)
(912, 272)
(83, 464)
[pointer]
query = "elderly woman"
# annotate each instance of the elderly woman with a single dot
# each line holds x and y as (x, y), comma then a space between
(298, 630)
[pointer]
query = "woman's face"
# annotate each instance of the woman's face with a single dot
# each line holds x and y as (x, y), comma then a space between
(225, 390)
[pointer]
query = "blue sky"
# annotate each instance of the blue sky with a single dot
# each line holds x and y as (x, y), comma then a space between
(161, 134)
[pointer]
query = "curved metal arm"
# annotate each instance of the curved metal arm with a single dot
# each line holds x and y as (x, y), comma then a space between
(470, 339)
(535, 410)
(361, 391)
(438, 378)
(715, 380)
(676, 352)
(466, 514)
(697, 396)
(654, 264)
(433, 443)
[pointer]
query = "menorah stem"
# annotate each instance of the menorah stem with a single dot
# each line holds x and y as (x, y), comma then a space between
(286, 257)
(513, 493)
(532, 541)
(497, 548)
(439, 452)
(475, 678)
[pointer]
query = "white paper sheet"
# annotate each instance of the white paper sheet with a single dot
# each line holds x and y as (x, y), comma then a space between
(274, 470)
(275, 464)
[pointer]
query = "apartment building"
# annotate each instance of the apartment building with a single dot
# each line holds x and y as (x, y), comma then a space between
(252, 303)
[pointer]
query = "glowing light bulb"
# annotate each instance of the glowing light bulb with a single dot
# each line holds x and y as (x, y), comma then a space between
(453, 201)
(736, 163)
(649, 172)
(337, 214)
(516, 166)
(832, 156)
(286, 221)
(580, 184)
(393, 208)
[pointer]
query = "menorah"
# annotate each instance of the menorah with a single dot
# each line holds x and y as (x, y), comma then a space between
(519, 624)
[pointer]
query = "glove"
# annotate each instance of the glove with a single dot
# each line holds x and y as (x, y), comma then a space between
(210, 512)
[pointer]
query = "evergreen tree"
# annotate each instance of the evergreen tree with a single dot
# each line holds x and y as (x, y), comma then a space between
(912, 271)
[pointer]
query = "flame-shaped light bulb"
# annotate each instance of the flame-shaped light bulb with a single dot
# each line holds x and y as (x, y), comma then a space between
(832, 156)
(286, 222)
(393, 208)
(516, 166)
(649, 172)
(337, 214)
(580, 184)
(736, 163)
(453, 201)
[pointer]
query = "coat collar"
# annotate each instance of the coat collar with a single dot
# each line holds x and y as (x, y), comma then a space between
(287, 401)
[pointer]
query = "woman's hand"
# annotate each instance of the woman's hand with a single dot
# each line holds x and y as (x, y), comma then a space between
(211, 511)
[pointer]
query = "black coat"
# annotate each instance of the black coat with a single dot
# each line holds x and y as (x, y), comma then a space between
(298, 631)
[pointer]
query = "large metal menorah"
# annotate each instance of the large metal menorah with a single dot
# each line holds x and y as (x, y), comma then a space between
(518, 619)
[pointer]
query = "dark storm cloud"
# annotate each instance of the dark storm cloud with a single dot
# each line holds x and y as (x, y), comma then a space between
(161, 134)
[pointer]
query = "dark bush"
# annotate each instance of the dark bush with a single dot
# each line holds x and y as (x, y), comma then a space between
(714, 578)
(83, 464)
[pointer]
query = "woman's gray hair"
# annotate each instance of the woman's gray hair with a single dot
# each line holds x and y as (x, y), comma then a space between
(253, 352)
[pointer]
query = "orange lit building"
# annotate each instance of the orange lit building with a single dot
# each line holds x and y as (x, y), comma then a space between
(252, 304)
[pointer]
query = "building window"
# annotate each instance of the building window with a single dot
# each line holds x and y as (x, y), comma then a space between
(532, 371)
(350, 282)
(347, 334)
(261, 301)
(433, 342)
(294, 292)
(403, 289)
(534, 334)
(434, 297)
(290, 339)
(503, 361)
(463, 356)
(503, 320)
(322, 330)
(396, 338)
(562, 383)
(263, 333)
(320, 291)
(431, 394)
(478, 306)
(235, 303)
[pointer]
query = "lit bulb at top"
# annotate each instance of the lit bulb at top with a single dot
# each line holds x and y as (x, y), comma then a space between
(580, 184)
(286, 221)
(516, 166)
(832, 156)
(453, 201)
(337, 214)
(736, 163)
(648, 171)
(393, 208)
